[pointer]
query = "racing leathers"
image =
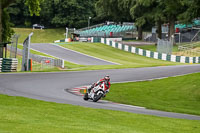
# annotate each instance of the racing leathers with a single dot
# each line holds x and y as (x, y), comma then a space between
(100, 82)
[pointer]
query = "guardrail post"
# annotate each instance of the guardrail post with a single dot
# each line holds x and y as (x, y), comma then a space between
(63, 63)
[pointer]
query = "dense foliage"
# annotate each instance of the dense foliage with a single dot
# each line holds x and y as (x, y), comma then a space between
(54, 13)
(146, 12)
(5, 30)
(75, 13)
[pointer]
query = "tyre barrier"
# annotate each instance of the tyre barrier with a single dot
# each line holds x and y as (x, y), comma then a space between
(8, 64)
(0, 64)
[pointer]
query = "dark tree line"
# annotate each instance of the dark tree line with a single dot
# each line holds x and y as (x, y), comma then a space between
(54, 13)
(5, 25)
(75, 13)
(146, 12)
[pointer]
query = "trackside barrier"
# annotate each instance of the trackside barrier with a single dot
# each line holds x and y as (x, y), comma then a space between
(164, 46)
(1, 59)
(47, 60)
(40, 59)
(8, 64)
(150, 54)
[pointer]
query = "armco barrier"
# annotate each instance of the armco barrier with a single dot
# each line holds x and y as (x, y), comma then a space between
(150, 54)
(8, 64)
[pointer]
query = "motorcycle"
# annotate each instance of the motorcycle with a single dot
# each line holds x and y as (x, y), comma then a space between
(96, 93)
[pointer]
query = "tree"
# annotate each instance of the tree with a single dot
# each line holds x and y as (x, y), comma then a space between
(140, 13)
(3, 5)
(172, 9)
(34, 8)
(72, 13)
(113, 10)
(192, 10)
(159, 11)
(55, 13)
(124, 10)
(154, 13)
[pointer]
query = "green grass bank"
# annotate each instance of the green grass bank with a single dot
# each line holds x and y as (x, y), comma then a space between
(125, 59)
(175, 94)
(40, 36)
(23, 115)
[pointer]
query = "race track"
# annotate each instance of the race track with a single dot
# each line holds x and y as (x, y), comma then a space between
(69, 55)
(51, 86)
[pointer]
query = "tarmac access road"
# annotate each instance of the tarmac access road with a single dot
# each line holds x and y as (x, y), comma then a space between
(52, 86)
(69, 55)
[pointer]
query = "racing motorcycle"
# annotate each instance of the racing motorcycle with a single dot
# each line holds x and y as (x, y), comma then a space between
(96, 93)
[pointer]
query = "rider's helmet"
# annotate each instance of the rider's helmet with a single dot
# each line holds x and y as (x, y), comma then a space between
(107, 78)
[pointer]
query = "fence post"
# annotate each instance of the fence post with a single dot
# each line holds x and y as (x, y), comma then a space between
(30, 65)
(26, 53)
(63, 63)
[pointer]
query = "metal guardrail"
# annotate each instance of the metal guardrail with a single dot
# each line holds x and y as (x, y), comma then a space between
(189, 49)
(186, 47)
(13, 46)
(128, 23)
(196, 36)
(40, 58)
(86, 28)
(47, 60)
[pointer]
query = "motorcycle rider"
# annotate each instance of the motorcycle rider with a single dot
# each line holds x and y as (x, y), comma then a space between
(106, 80)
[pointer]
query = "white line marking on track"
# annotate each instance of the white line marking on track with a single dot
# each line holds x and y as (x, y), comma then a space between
(132, 106)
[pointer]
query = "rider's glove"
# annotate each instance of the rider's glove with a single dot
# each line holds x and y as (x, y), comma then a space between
(107, 91)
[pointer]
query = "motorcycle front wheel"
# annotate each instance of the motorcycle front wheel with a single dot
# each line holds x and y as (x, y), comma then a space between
(97, 97)
(86, 96)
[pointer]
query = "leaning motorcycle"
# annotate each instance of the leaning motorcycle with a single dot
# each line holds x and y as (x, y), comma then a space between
(96, 93)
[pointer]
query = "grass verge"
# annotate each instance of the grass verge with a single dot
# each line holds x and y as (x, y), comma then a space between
(40, 36)
(192, 51)
(20, 115)
(154, 48)
(175, 94)
(126, 59)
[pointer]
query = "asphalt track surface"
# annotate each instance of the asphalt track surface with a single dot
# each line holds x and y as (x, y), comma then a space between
(69, 55)
(51, 86)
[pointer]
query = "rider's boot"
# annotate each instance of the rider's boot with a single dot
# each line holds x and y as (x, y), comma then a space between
(89, 89)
